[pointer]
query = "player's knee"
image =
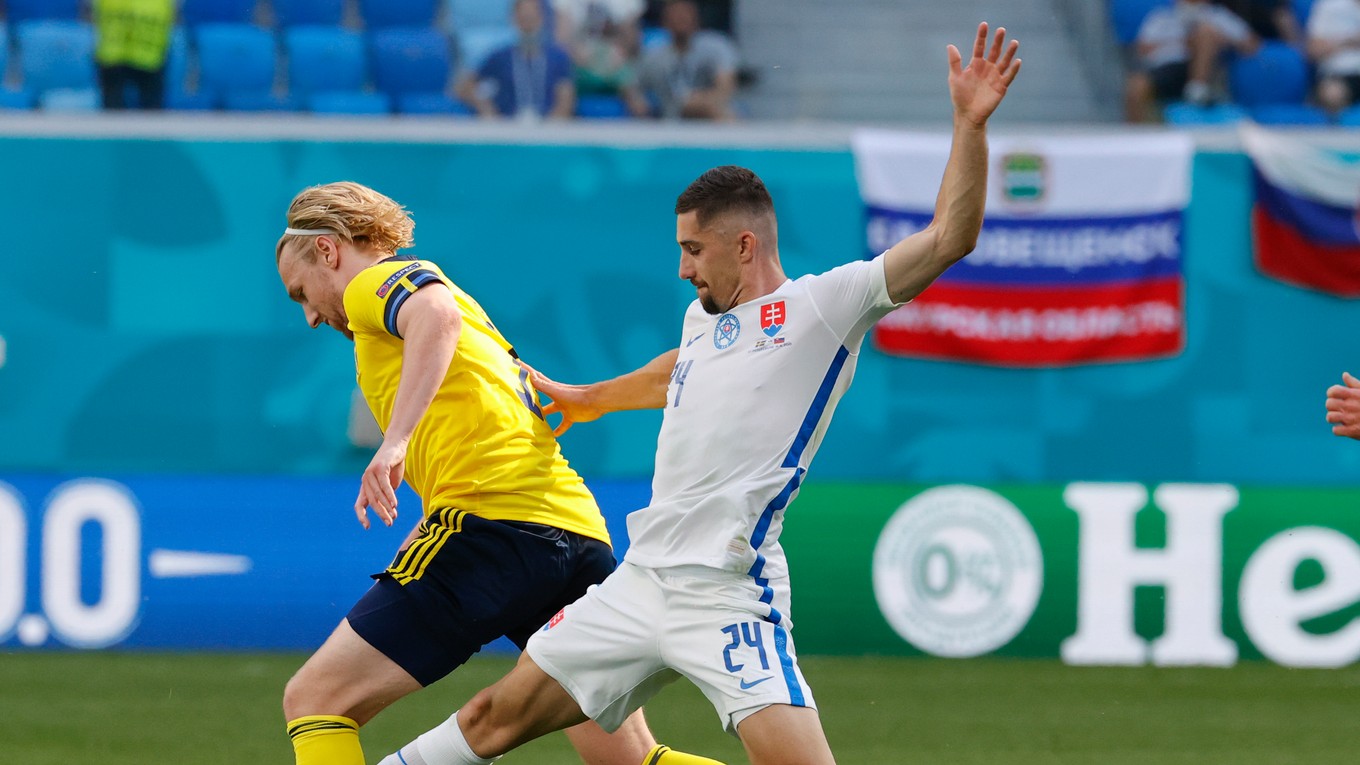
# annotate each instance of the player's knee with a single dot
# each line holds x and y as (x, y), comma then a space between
(295, 695)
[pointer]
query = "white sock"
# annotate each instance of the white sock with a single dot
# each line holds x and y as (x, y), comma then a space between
(441, 745)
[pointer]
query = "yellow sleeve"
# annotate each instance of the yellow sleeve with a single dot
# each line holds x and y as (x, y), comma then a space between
(375, 297)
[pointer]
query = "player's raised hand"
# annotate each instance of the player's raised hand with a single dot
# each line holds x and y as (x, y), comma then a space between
(571, 401)
(1343, 407)
(378, 485)
(977, 89)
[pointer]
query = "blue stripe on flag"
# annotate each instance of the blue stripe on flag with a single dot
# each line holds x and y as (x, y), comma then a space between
(1313, 220)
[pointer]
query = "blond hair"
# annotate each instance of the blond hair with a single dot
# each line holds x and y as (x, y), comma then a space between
(354, 212)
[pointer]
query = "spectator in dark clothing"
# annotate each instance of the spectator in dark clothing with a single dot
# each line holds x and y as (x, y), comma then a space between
(1180, 50)
(529, 80)
(1269, 19)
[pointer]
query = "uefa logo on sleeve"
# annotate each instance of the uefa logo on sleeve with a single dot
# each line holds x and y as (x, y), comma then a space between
(958, 571)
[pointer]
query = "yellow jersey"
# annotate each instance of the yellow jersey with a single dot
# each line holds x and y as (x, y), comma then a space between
(483, 445)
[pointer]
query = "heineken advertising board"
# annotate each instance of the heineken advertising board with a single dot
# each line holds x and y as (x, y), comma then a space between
(1096, 573)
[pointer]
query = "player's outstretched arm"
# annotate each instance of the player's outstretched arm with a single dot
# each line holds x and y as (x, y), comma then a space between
(643, 388)
(976, 91)
(1343, 407)
(429, 324)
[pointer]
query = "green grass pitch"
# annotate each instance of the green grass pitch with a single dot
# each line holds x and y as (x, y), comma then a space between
(134, 709)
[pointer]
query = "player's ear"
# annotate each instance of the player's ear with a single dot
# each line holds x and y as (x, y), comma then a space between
(746, 246)
(329, 251)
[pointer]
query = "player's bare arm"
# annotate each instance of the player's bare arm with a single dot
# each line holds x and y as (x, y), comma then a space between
(643, 388)
(429, 324)
(1343, 407)
(976, 91)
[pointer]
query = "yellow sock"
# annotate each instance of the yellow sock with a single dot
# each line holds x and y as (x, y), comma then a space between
(664, 755)
(326, 740)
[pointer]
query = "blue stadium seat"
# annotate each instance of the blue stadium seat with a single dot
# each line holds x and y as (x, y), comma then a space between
(324, 58)
(601, 107)
(70, 100)
(1349, 117)
(476, 43)
(1128, 15)
(195, 12)
(185, 101)
(292, 13)
(351, 102)
(432, 103)
(1302, 8)
(1301, 115)
(257, 101)
(1275, 74)
(235, 58)
(655, 37)
(469, 14)
(56, 54)
(383, 14)
(1182, 114)
(410, 60)
(15, 99)
(25, 10)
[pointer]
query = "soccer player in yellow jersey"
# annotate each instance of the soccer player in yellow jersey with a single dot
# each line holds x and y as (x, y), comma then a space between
(510, 533)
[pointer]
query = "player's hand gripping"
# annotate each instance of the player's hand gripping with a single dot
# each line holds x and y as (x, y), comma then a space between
(1343, 407)
(573, 402)
(978, 89)
(378, 486)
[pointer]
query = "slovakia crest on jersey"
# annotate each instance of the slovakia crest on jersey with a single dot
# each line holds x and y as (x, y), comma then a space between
(772, 318)
(726, 332)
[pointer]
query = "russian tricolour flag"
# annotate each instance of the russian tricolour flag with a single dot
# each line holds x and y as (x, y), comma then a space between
(1304, 220)
(1079, 260)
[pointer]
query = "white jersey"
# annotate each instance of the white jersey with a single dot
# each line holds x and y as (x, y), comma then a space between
(750, 397)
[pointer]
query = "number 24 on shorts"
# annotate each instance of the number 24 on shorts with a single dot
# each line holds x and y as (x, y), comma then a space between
(747, 634)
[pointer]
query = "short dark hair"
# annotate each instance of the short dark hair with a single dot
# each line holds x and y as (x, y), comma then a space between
(723, 190)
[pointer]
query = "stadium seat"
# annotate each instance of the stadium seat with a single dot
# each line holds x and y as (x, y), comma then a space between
(1182, 114)
(1275, 74)
(384, 14)
(1128, 15)
(1302, 8)
(195, 12)
(1349, 117)
(432, 103)
(471, 14)
(257, 101)
(56, 54)
(476, 43)
(655, 37)
(26, 10)
(292, 13)
(70, 100)
(17, 98)
(410, 61)
(352, 102)
(601, 107)
(1301, 115)
(235, 58)
(324, 58)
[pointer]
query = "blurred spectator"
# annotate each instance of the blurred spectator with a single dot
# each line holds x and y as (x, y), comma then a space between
(528, 80)
(132, 41)
(694, 75)
(713, 14)
(603, 39)
(1334, 45)
(1269, 19)
(1179, 51)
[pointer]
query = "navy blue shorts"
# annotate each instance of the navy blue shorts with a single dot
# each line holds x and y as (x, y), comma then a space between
(466, 581)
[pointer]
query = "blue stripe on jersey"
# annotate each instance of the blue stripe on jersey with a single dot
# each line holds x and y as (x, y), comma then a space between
(394, 300)
(814, 414)
(781, 647)
(422, 277)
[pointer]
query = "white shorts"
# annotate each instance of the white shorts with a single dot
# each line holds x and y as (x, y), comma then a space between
(626, 639)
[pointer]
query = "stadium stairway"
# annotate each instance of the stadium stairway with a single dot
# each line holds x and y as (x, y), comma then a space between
(884, 61)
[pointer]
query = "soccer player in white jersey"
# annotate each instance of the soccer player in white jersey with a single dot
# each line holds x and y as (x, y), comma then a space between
(703, 591)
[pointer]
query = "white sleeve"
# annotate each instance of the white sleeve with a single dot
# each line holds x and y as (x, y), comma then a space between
(851, 298)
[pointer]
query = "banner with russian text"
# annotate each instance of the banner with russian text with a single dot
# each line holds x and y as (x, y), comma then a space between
(1079, 260)
(1304, 216)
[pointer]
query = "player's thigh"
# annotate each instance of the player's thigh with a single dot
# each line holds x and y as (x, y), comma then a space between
(346, 676)
(785, 735)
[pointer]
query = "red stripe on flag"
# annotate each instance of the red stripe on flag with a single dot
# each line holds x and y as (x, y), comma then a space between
(1283, 253)
(1039, 327)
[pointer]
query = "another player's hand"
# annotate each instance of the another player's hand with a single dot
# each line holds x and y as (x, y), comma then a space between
(1343, 407)
(378, 486)
(573, 402)
(978, 89)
